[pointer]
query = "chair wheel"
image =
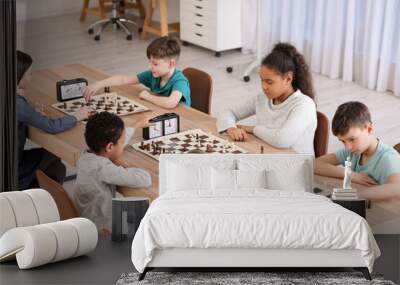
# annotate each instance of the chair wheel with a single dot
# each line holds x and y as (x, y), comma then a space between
(129, 37)
(184, 43)
(97, 38)
(90, 31)
(229, 69)
(246, 78)
(217, 54)
(140, 30)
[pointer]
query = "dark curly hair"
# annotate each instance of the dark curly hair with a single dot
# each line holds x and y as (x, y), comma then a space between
(164, 47)
(101, 129)
(348, 115)
(24, 61)
(284, 58)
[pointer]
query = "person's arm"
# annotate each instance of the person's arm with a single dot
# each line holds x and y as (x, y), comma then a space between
(389, 190)
(227, 119)
(116, 80)
(327, 165)
(28, 115)
(169, 102)
(297, 122)
(121, 176)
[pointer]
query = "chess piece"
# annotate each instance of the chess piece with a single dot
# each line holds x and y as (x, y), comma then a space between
(347, 174)
(65, 105)
(262, 149)
(142, 145)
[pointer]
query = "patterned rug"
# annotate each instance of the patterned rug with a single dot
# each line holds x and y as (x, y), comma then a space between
(243, 278)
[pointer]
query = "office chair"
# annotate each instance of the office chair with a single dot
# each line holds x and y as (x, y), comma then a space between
(117, 21)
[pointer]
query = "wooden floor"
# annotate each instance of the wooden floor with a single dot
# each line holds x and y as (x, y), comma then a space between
(56, 41)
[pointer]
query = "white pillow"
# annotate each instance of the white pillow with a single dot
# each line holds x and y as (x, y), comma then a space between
(223, 179)
(188, 177)
(251, 178)
(278, 180)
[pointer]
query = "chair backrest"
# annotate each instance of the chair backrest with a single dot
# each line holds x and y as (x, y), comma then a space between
(321, 137)
(397, 147)
(201, 86)
(65, 206)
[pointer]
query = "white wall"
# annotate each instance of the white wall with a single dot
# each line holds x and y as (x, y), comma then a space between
(34, 9)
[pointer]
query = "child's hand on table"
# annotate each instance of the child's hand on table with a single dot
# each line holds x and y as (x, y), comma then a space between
(237, 134)
(81, 114)
(247, 129)
(363, 179)
(144, 94)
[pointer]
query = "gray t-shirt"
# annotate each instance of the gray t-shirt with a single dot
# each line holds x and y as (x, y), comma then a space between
(96, 181)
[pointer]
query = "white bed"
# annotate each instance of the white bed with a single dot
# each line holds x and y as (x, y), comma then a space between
(218, 211)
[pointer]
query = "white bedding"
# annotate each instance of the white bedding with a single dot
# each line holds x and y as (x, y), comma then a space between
(255, 218)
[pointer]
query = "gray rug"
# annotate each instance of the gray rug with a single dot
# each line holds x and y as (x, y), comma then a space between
(230, 278)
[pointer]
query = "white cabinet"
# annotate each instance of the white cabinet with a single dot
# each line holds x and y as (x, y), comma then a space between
(213, 24)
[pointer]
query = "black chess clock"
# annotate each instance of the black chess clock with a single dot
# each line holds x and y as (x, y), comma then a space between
(70, 89)
(164, 124)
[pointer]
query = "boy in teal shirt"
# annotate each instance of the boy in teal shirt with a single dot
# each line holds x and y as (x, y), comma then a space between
(374, 164)
(167, 86)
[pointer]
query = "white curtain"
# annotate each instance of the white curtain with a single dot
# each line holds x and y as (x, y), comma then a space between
(356, 40)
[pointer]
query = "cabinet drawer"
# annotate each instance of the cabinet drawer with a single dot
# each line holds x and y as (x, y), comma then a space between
(200, 5)
(191, 27)
(198, 20)
(197, 38)
(194, 10)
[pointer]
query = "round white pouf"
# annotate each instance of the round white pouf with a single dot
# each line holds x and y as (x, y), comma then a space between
(45, 205)
(7, 218)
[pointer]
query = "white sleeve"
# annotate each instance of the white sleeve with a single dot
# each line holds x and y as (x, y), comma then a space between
(299, 119)
(129, 132)
(228, 118)
(130, 177)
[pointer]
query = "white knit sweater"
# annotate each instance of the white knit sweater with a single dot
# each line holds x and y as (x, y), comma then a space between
(290, 124)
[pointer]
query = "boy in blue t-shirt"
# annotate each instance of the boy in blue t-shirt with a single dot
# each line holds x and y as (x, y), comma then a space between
(167, 86)
(374, 164)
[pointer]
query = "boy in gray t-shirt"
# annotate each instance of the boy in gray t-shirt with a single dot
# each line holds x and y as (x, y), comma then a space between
(101, 168)
(374, 164)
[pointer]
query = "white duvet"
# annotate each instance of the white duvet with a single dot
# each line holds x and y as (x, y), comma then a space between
(250, 219)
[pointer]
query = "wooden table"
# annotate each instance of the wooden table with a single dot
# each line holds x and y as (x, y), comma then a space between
(383, 216)
(69, 144)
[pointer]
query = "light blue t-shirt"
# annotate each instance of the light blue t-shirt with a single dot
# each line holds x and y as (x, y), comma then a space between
(178, 82)
(383, 163)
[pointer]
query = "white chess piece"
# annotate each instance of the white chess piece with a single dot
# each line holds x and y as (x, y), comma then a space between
(347, 174)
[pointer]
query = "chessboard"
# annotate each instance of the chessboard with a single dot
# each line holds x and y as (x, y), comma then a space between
(107, 102)
(191, 141)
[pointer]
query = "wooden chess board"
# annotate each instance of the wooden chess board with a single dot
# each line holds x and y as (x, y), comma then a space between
(107, 102)
(191, 141)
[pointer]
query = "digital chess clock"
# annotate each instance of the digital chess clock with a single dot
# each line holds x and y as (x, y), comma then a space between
(70, 89)
(164, 124)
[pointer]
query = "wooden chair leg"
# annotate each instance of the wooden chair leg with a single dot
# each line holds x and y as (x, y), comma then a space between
(102, 9)
(84, 10)
(163, 17)
(147, 20)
